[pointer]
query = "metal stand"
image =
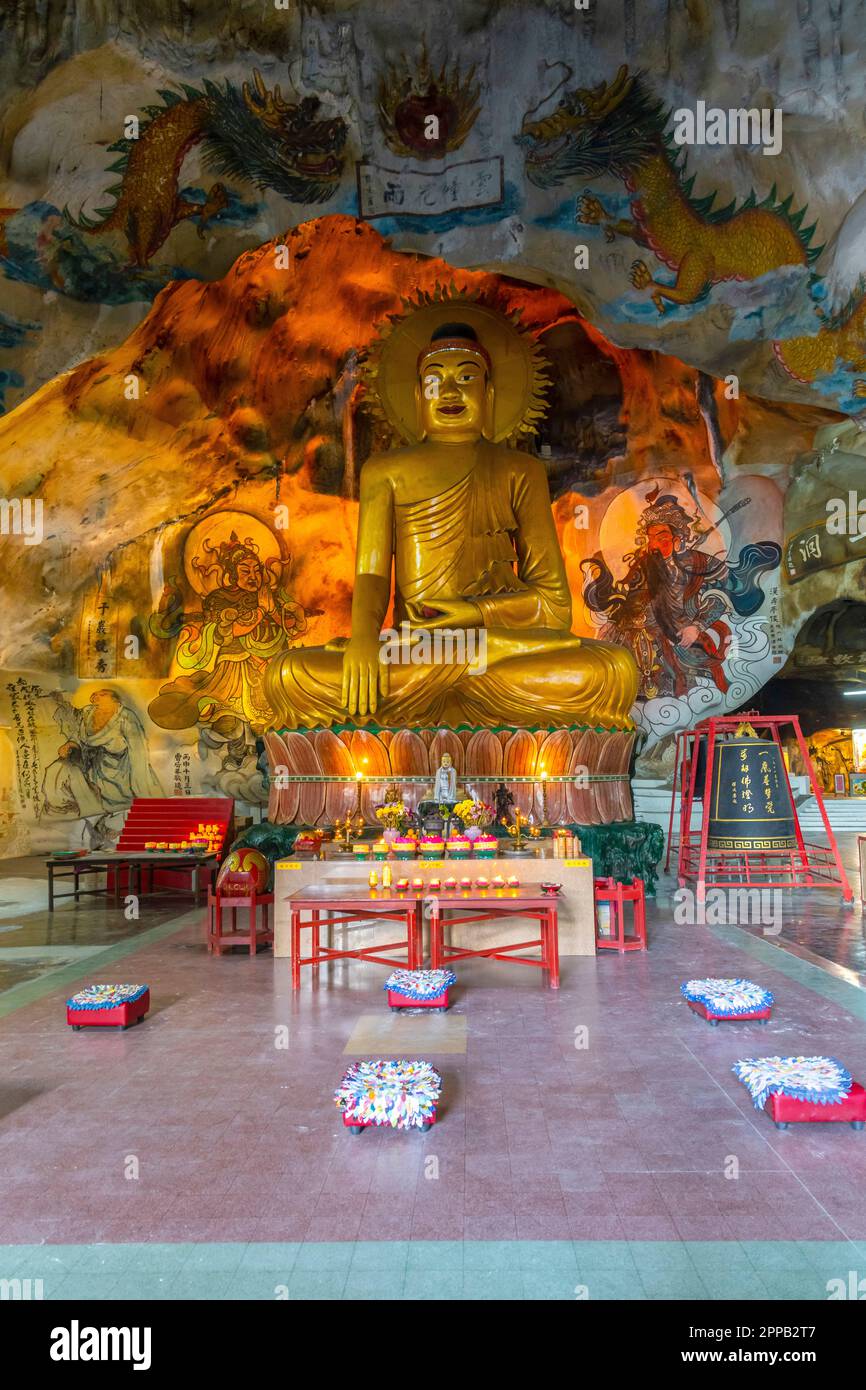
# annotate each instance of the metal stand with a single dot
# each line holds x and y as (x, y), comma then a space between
(807, 866)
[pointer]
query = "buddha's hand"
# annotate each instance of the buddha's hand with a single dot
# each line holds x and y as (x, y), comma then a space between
(365, 676)
(450, 612)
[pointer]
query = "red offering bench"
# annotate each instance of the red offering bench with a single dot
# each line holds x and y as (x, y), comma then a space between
(785, 1110)
(347, 907)
(168, 820)
(485, 905)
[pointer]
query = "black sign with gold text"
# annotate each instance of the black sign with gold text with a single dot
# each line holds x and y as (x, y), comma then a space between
(750, 805)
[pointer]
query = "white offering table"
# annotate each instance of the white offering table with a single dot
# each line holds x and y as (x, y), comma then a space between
(575, 903)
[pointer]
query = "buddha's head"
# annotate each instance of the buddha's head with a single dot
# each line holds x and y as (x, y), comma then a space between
(454, 394)
(446, 760)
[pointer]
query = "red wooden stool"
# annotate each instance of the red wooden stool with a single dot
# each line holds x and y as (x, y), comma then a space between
(785, 1110)
(607, 890)
(255, 935)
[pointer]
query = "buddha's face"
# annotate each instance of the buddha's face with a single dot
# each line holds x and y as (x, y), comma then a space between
(454, 396)
(446, 760)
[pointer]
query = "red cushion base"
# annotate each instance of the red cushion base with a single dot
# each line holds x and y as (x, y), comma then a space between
(704, 1012)
(351, 1122)
(787, 1110)
(120, 1016)
(400, 1001)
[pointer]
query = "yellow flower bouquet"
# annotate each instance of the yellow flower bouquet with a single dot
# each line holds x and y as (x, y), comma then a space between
(474, 812)
(393, 815)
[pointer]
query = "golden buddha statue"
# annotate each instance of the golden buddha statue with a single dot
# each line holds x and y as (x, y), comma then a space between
(465, 524)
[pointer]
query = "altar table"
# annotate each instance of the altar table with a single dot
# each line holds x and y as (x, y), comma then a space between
(575, 905)
(489, 905)
(138, 868)
(344, 906)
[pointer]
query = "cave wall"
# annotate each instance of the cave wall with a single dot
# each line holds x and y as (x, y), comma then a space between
(172, 380)
(138, 145)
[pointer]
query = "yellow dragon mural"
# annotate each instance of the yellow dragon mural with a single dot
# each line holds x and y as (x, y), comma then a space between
(619, 129)
(251, 133)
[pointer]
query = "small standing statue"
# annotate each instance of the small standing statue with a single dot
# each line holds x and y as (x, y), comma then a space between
(504, 802)
(445, 782)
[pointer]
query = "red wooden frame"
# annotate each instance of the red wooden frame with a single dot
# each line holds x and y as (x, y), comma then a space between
(356, 1125)
(342, 908)
(112, 1016)
(486, 907)
(404, 1001)
(757, 1015)
(807, 866)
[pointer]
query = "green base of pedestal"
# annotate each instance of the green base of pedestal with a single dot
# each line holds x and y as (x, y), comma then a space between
(624, 850)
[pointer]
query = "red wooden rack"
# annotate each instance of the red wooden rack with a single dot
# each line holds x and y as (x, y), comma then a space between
(806, 866)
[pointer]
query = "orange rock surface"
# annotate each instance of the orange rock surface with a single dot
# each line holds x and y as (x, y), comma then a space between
(236, 394)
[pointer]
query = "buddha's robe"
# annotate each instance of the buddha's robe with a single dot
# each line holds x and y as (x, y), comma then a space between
(490, 538)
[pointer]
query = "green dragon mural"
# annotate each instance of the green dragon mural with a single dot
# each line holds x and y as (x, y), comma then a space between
(252, 134)
(619, 129)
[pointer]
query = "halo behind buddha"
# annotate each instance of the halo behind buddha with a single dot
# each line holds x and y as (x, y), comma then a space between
(518, 366)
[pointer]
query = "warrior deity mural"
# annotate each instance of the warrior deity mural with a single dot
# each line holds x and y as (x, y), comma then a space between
(673, 607)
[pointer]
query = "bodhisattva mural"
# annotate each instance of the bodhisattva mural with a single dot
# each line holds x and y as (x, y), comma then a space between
(246, 619)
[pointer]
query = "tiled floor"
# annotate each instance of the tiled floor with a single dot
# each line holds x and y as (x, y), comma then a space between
(593, 1142)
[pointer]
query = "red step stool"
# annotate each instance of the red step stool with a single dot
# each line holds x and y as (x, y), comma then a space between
(607, 890)
(255, 935)
(167, 819)
(786, 1110)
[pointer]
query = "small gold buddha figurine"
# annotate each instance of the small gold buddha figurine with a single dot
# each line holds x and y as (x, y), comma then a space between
(465, 524)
